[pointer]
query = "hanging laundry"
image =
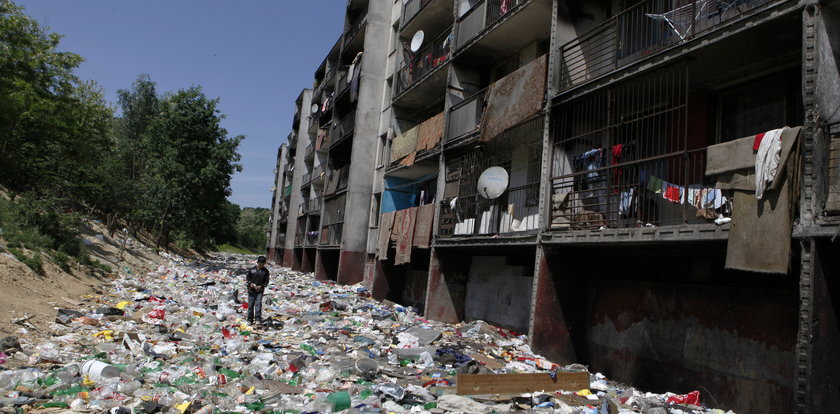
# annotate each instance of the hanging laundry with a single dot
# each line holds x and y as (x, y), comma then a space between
(672, 194)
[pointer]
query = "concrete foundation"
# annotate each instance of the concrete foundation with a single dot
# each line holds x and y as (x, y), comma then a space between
(351, 267)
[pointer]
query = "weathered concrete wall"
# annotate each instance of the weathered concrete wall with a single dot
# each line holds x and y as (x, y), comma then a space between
(300, 168)
(673, 319)
(499, 293)
(447, 286)
(824, 381)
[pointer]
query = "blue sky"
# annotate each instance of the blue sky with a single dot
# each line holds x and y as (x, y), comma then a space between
(255, 55)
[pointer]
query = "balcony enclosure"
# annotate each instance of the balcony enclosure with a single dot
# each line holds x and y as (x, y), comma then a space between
(332, 221)
(642, 30)
(464, 212)
(493, 28)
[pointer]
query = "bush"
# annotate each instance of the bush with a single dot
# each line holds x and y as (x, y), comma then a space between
(35, 262)
(62, 260)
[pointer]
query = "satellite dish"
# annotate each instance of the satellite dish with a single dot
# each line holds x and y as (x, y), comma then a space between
(313, 109)
(492, 182)
(417, 41)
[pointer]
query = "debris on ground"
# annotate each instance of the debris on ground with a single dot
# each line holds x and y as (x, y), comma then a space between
(175, 340)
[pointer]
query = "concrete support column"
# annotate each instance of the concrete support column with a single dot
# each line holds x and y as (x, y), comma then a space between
(290, 259)
(549, 334)
(307, 260)
(444, 299)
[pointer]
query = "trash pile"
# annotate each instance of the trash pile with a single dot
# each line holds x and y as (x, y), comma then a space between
(176, 341)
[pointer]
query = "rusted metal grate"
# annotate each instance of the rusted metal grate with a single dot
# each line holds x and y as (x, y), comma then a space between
(622, 157)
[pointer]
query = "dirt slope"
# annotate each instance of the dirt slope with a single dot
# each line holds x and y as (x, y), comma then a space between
(24, 292)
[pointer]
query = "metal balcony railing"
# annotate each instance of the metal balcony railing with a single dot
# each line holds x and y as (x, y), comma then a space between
(427, 59)
(514, 211)
(481, 16)
(412, 8)
(663, 190)
(640, 31)
(317, 172)
(331, 234)
(306, 179)
(313, 205)
(310, 149)
(465, 116)
(355, 27)
(343, 128)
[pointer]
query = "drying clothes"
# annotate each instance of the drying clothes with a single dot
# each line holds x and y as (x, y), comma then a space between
(405, 235)
(626, 205)
(616, 158)
(654, 184)
(672, 194)
(767, 160)
(386, 222)
(757, 141)
(423, 226)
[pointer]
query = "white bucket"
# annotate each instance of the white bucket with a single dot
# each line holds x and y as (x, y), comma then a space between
(93, 368)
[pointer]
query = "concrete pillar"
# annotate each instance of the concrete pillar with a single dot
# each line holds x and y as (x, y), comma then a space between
(444, 300)
(300, 169)
(365, 137)
(290, 258)
(307, 260)
(549, 334)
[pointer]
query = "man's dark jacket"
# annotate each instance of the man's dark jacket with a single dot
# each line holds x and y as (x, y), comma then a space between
(258, 277)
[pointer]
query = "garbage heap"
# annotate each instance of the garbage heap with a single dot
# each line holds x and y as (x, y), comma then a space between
(176, 341)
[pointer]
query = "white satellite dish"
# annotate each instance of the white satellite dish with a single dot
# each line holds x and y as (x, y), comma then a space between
(417, 41)
(313, 109)
(492, 182)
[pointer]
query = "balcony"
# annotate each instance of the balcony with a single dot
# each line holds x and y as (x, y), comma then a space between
(312, 206)
(306, 179)
(410, 9)
(350, 35)
(465, 116)
(642, 31)
(318, 174)
(337, 180)
(331, 234)
(431, 57)
(343, 129)
(501, 27)
(310, 149)
(291, 139)
(515, 211)
(333, 219)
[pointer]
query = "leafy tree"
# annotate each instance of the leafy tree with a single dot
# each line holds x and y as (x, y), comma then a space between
(191, 161)
(252, 228)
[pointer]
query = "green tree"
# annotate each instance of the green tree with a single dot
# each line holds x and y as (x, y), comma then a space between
(190, 161)
(252, 228)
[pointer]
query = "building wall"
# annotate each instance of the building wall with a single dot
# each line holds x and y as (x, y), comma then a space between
(499, 293)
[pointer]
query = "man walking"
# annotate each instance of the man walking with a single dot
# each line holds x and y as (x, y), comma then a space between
(257, 280)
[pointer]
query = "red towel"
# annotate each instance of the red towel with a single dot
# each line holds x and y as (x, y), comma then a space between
(757, 141)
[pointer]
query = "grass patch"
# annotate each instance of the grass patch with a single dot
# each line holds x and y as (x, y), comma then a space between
(34, 262)
(62, 260)
(229, 248)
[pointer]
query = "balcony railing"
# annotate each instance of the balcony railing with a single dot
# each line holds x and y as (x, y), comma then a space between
(432, 56)
(465, 116)
(412, 8)
(313, 205)
(306, 179)
(663, 190)
(311, 238)
(343, 129)
(317, 172)
(331, 234)
(517, 210)
(310, 149)
(355, 27)
(483, 15)
(640, 31)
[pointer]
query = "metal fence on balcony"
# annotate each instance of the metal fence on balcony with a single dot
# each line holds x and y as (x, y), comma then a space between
(465, 116)
(317, 172)
(427, 59)
(337, 180)
(331, 234)
(333, 219)
(313, 206)
(411, 8)
(515, 211)
(343, 128)
(640, 31)
(482, 15)
(355, 27)
(306, 179)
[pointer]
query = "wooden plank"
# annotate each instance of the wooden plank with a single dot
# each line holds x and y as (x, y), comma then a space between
(520, 383)
(489, 362)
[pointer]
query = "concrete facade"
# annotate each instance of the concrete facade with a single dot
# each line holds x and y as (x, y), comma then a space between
(275, 242)
(639, 291)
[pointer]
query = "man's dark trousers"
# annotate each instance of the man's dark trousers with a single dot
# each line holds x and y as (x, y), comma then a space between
(255, 306)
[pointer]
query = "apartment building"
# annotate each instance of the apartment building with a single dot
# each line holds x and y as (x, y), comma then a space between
(279, 218)
(585, 173)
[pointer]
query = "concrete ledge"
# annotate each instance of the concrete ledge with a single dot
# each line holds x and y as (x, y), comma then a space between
(686, 232)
